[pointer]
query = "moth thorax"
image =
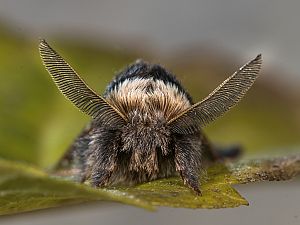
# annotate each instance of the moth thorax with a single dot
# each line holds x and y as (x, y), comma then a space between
(145, 138)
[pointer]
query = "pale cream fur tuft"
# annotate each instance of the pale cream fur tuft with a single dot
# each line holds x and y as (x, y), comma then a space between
(148, 96)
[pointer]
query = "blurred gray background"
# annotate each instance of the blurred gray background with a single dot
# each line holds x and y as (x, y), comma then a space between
(163, 27)
(245, 28)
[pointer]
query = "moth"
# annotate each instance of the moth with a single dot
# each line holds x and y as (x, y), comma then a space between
(145, 126)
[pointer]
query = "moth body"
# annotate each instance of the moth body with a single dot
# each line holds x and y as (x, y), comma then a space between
(145, 148)
(145, 126)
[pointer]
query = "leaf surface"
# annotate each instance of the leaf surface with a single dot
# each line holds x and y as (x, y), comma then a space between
(25, 188)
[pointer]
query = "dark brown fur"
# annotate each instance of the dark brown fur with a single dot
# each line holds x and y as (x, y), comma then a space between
(144, 149)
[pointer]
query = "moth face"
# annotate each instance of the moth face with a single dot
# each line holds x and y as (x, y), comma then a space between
(145, 137)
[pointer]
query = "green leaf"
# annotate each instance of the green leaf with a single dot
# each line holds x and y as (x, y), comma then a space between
(25, 188)
(216, 191)
(266, 169)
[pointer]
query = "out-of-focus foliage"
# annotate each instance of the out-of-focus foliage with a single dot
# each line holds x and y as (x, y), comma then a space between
(24, 188)
(37, 124)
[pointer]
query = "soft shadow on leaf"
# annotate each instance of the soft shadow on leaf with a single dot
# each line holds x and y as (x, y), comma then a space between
(24, 188)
